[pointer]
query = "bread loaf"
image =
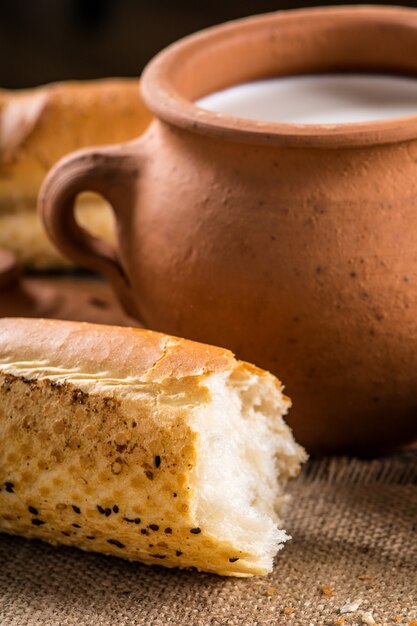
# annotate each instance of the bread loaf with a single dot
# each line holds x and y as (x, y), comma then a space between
(38, 127)
(141, 445)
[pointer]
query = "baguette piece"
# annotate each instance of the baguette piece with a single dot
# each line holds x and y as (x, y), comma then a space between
(141, 445)
(38, 127)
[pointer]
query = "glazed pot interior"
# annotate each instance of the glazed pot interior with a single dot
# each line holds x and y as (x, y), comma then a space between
(311, 41)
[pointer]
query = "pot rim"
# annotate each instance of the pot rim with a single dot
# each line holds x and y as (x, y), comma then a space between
(165, 100)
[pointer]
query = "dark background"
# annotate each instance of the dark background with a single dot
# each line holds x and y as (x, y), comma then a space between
(47, 40)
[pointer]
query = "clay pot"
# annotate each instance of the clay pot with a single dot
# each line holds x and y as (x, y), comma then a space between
(295, 246)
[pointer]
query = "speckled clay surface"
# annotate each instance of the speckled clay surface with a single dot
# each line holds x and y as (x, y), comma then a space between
(294, 246)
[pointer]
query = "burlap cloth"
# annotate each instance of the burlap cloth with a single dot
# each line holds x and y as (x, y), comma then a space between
(354, 527)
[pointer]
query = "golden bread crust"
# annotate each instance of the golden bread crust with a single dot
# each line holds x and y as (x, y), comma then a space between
(104, 474)
(110, 351)
(37, 128)
(98, 446)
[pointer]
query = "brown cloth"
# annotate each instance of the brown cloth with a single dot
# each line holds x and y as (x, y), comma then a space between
(354, 528)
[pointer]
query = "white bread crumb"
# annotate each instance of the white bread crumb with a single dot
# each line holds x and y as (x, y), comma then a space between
(368, 618)
(350, 607)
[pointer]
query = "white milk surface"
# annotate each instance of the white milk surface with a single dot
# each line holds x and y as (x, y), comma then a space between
(318, 99)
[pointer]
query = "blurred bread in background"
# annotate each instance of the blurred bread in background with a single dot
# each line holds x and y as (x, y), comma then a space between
(38, 127)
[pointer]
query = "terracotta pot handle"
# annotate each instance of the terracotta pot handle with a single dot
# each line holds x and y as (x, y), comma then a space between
(110, 171)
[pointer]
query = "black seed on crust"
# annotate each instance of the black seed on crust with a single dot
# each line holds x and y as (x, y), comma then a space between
(149, 474)
(153, 526)
(90, 537)
(32, 510)
(178, 552)
(195, 531)
(157, 461)
(233, 559)
(158, 556)
(76, 525)
(9, 487)
(64, 532)
(168, 531)
(104, 511)
(144, 531)
(115, 542)
(115, 509)
(37, 522)
(174, 495)
(76, 509)
(135, 520)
